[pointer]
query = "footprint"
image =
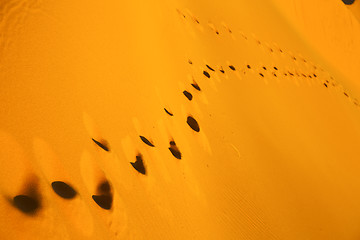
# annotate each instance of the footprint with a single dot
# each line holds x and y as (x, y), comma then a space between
(168, 112)
(64, 190)
(193, 124)
(104, 197)
(95, 133)
(206, 74)
(196, 86)
(139, 164)
(188, 95)
(103, 144)
(174, 150)
(26, 204)
(146, 141)
(210, 68)
(222, 70)
(104, 201)
(30, 201)
(68, 202)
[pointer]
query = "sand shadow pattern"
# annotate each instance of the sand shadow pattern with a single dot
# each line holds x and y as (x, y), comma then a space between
(196, 86)
(64, 190)
(30, 201)
(103, 144)
(104, 198)
(139, 164)
(146, 141)
(167, 111)
(188, 95)
(174, 150)
(210, 68)
(193, 124)
(232, 67)
(206, 74)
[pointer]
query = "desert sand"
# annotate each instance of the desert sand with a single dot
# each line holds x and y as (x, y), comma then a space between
(180, 119)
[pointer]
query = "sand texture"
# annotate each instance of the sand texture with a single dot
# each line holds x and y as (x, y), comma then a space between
(179, 119)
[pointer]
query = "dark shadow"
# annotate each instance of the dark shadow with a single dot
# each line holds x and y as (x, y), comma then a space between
(188, 95)
(146, 141)
(210, 68)
(63, 190)
(348, 2)
(103, 144)
(232, 67)
(29, 202)
(190, 62)
(26, 204)
(139, 165)
(276, 68)
(104, 187)
(248, 66)
(325, 85)
(262, 75)
(193, 124)
(196, 86)
(174, 150)
(168, 112)
(206, 74)
(104, 201)
(264, 68)
(104, 197)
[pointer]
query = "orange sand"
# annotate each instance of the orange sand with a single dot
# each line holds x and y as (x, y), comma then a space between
(265, 144)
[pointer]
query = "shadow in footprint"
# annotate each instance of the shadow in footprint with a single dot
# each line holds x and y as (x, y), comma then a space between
(193, 124)
(64, 190)
(103, 144)
(206, 74)
(139, 165)
(104, 201)
(188, 95)
(168, 112)
(146, 141)
(29, 202)
(174, 150)
(210, 68)
(104, 198)
(196, 86)
(26, 204)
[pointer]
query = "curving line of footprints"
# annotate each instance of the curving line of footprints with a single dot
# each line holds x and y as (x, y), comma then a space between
(188, 16)
(30, 202)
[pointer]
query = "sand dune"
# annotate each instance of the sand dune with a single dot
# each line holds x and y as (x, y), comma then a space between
(179, 119)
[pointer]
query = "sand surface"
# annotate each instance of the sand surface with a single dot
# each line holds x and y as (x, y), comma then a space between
(179, 119)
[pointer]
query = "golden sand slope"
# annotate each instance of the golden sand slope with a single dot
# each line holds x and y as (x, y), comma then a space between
(179, 120)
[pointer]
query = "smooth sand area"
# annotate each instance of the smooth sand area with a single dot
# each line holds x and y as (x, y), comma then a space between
(179, 119)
